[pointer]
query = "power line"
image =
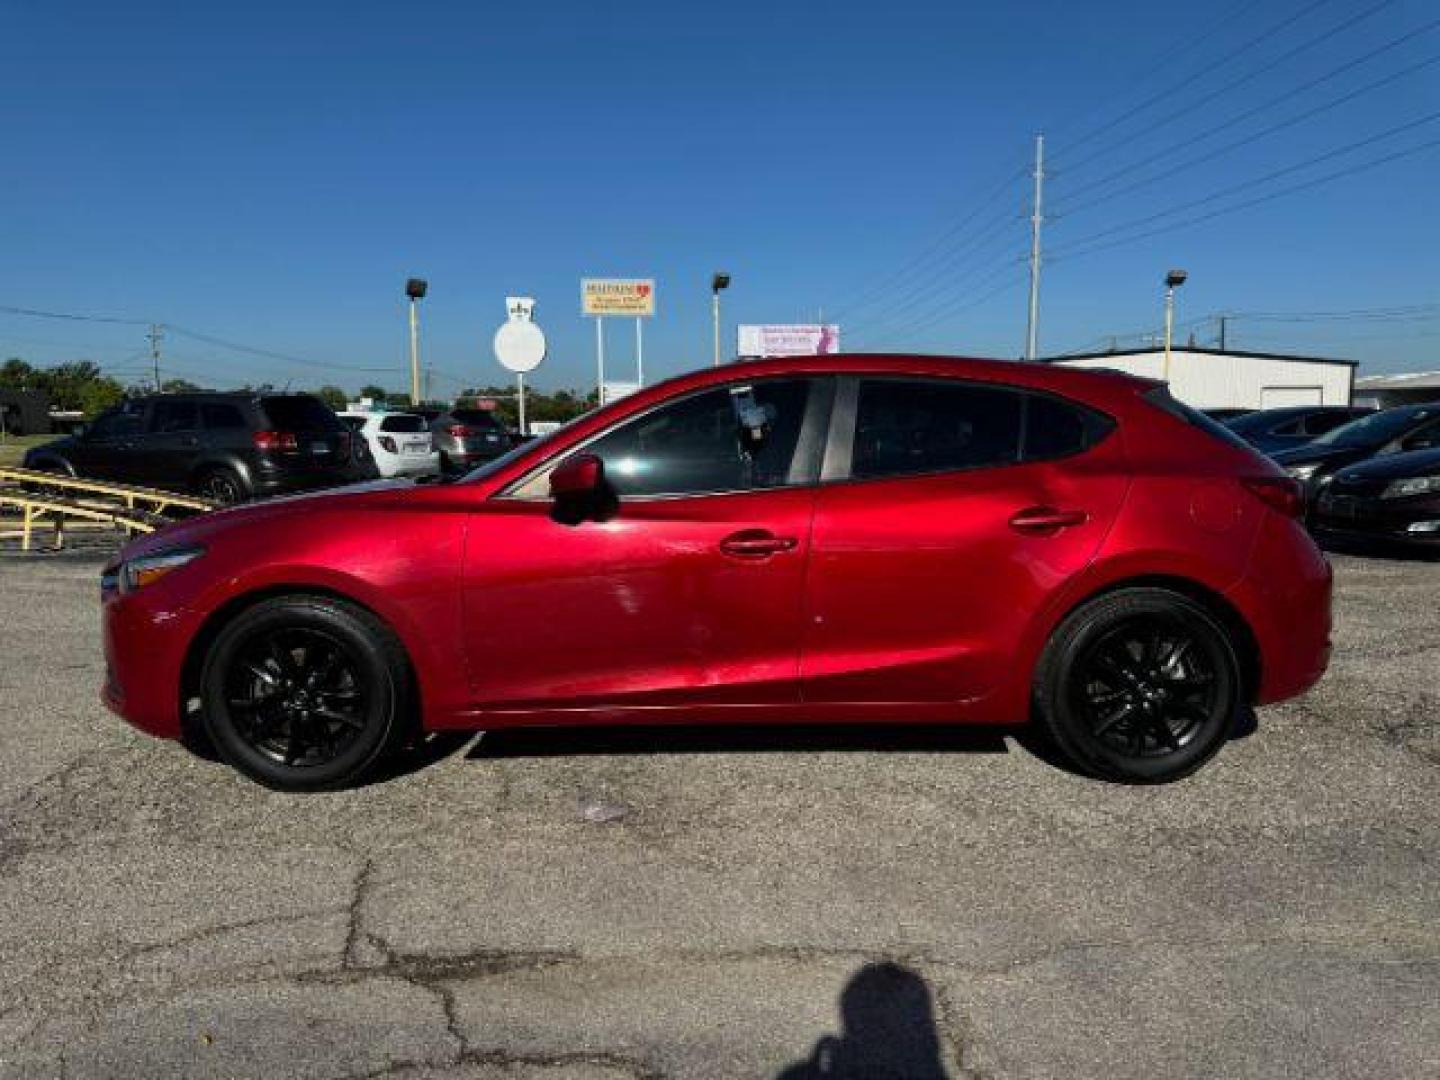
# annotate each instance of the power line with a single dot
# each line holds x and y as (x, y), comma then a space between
(1233, 84)
(71, 317)
(1070, 211)
(1077, 247)
(1170, 90)
(868, 296)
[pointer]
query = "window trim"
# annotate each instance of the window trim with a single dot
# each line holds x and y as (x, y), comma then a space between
(810, 444)
(844, 419)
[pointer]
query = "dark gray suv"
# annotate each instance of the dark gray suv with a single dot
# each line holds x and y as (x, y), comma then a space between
(225, 446)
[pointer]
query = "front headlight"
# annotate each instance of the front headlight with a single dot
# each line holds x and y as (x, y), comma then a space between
(148, 569)
(1413, 485)
(1303, 473)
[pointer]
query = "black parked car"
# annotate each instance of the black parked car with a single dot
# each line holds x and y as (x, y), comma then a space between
(1394, 497)
(1273, 430)
(228, 447)
(1391, 431)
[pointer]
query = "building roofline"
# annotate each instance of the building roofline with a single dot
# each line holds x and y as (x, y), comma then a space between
(1204, 351)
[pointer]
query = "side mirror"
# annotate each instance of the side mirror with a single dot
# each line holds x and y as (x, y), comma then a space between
(582, 474)
(580, 491)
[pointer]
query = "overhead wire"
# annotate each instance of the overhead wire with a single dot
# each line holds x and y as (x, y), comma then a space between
(1068, 210)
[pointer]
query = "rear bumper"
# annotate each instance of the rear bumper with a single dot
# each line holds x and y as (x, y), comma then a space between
(286, 482)
(1285, 598)
(145, 647)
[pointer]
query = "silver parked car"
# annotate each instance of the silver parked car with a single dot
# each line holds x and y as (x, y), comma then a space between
(467, 437)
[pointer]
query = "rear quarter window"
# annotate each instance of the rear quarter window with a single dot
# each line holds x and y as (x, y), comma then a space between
(1056, 428)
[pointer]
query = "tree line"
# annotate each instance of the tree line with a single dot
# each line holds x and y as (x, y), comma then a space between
(82, 386)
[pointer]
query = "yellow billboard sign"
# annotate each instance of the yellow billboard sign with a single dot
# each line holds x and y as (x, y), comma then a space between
(617, 296)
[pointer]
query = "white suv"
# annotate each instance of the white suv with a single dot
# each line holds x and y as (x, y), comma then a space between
(400, 443)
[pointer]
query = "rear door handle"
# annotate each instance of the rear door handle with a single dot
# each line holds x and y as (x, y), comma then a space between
(1046, 519)
(756, 544)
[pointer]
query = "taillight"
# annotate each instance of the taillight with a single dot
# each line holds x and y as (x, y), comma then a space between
(275, 440)
(387, 444)
(1281, 493)
(459, 431)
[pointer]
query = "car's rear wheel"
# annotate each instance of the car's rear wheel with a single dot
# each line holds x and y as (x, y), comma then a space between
(1140, 686)
(223, 486)
(306, 693)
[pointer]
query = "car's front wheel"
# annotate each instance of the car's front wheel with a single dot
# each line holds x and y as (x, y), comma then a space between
(1140, 686)
(306, 693)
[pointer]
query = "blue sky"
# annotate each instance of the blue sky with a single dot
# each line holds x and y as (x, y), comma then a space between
(269, 174)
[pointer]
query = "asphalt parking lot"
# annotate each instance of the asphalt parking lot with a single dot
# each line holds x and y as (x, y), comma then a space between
(726, 904)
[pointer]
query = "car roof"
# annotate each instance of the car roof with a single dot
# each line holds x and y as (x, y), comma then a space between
(1061, 378)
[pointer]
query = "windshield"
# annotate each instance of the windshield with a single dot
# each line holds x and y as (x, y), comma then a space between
(1376, 428)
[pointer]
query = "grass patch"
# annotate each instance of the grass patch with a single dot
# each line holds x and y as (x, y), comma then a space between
(13, 447)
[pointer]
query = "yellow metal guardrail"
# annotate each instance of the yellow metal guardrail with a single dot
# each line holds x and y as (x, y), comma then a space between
(94, 502)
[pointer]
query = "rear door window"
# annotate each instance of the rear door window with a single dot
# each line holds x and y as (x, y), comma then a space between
(299, 412)
(219, 416)
(906, 427)
(167, 417)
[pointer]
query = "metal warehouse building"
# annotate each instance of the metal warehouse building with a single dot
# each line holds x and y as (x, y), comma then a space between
(1407, 389)
(1216, 379)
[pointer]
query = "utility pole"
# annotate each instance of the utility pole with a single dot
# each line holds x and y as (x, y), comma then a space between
(1223, 320)
(1036, 217)
(157, 332)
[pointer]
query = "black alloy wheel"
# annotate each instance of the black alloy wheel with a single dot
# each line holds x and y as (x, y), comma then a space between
(222, 486)
(1146, 688)
(306, 693)
(1140, 685)
(297, 696)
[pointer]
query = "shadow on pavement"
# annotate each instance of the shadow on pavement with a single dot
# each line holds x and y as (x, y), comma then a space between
(887, 1031)
(1392, 551)
(739, 739)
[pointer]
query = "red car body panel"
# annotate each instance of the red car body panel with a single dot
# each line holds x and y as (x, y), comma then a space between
(906, 599)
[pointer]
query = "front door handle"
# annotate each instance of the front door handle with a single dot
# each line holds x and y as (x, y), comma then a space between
(756, 544)
(1046, 519)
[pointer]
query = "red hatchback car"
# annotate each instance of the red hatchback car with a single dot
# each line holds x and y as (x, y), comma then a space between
(862, 538)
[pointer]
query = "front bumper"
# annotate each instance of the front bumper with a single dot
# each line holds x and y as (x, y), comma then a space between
(145, 643)
(1414, 520)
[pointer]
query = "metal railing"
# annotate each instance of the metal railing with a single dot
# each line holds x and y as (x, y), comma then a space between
(54, 500)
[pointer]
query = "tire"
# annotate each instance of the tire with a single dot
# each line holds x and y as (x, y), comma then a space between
(305, 693)
(1139, 686)
(222, 485)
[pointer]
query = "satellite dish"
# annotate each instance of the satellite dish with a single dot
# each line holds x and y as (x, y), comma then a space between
(519, 343)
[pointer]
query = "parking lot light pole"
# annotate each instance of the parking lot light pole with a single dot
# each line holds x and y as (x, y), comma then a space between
(1173, 280)
(717, 283)
(415, 288)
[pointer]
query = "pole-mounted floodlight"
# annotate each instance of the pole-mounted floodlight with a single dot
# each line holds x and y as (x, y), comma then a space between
(718, 282)
(415, 288)
(1173, 280)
